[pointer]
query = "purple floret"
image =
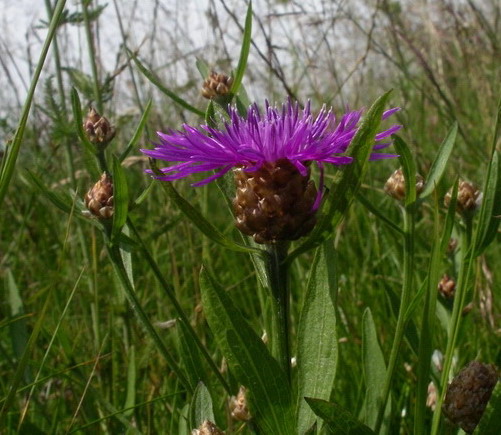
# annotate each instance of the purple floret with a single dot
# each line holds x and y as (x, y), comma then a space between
(290, 133)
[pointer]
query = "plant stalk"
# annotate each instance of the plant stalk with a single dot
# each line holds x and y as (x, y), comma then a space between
(276, 271)
(459, 302)
(409, 218)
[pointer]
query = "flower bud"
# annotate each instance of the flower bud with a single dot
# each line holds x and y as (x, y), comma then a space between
(468, 199)
(207, 428)
(99, 199)
(447, 287)
(216, 85)
(274, 203)
(98, 128)
(468, 393)
(238, 406)
(395, 185)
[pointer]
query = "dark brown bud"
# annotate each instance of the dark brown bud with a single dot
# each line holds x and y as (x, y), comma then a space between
(447, 287)
(207, 428)
(468, 393)
(99, 199)
(274, 203)
(216, 85)
(395, 185)
(98, 128)
(238, 406)
(468, 200)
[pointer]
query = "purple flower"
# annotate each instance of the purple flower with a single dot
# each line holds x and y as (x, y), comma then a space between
(249, 142)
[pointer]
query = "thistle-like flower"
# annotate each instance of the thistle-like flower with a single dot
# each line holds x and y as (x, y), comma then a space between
(271, 154)
(468, 200)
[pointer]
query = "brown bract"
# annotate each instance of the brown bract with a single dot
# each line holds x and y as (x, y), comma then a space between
(274, 203)
(99, 199)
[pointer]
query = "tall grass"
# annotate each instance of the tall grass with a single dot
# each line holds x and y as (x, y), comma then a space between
(103, 328)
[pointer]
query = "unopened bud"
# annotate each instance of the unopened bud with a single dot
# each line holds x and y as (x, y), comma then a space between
(468, 199)
(216, 85)
(431, 398)
(395, 185)
(99, 199)
(238, 406)
(98, 128)
(447, 287)
(468, 393)
(207, 428)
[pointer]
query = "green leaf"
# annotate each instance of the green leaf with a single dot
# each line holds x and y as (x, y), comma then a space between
(348, 180)
(199, 220)
(78, 119)
(201, 407)
(490, 212)
(137, 134)
(489, 423)
(438, 166)
(153, 79)
(378, 213)
(269, 395)
(244, 52)
(338, 420)
(190, 355)
(374, 371)
(317, 352)
(120, 198)
(203, 68)
(408, 168)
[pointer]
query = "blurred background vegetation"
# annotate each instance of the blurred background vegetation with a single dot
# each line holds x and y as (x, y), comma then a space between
(92, 368)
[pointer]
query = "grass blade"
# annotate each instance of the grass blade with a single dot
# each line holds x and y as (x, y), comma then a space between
(9, 161)
(244, 52)
(137, 134)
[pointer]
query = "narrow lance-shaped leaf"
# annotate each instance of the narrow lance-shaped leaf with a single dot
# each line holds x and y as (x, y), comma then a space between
(348, 180)
(78, 120)
(269, 395)
(244, 52)
(317, 339)
(439, 164)
(172, 95)
(490, 213)
(408, 168)
(120, 198)
(374, 370)
(137, 134)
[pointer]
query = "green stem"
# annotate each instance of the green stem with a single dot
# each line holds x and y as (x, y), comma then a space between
(459, 301)
(116, 259)
(279, 287)
(427, 328)
(409, 213)
(92, 57)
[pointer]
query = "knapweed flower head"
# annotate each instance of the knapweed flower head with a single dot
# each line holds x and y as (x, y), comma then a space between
(271, 153)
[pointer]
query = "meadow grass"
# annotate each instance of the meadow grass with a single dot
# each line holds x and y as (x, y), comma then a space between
(103, 328)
